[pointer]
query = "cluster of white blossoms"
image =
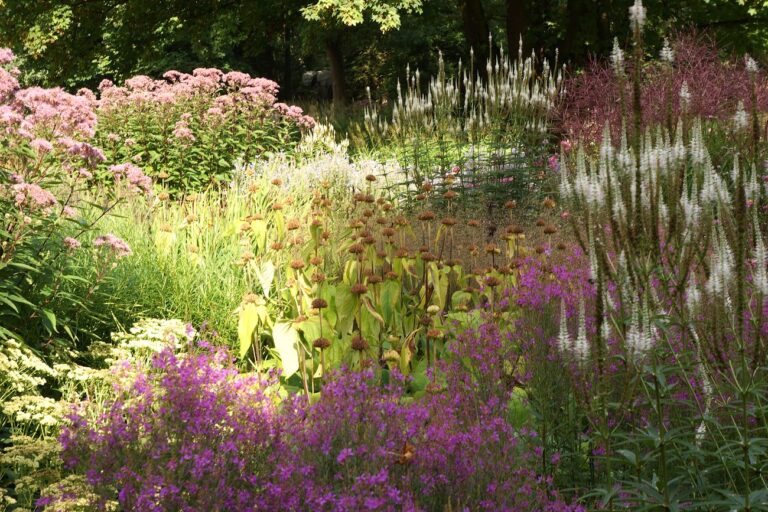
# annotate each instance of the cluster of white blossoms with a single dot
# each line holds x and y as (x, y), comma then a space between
(469, 102)
(633, 193)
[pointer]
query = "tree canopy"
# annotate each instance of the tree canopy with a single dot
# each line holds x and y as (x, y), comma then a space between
(363, 42)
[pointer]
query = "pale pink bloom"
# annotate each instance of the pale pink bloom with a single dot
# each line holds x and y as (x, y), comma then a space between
(182, 132)
(72, 243)
(33, 195)
(172, 75)
(113, 137)
(208, 73)
(41, 146)
(566, 145)
(105, 84)
(237, 79)
(87, 94)
(69, 212)
(6, 56)
(135, 177)
(140, 83)
(8, 84)
(117, 245)
(84, 173)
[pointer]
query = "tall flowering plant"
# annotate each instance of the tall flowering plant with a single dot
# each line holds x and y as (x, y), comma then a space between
(47, 161)
(188, 432)
(189, 130)
(666, 346)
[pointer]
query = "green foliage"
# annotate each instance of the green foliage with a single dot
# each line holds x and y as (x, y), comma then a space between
(385, 13)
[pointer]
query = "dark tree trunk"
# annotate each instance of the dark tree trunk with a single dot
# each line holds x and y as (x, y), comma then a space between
(517, 24)
(581, 30)
(475, 29)
(287, 85)
(338, 76)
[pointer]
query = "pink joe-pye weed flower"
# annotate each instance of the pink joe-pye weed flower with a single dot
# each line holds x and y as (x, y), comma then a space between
(42, 146)
(133, 175)
(72, 243)
(6, 56)
(114, 244)
(33, 196)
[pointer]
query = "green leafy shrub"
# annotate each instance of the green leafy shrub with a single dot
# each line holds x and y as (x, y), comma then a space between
(188, 131)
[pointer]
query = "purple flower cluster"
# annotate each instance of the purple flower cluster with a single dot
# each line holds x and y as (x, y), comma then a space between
(190, 433)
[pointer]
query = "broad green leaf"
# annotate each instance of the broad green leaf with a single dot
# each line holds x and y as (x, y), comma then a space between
(287, 346)
(266, 275)
(248, 320)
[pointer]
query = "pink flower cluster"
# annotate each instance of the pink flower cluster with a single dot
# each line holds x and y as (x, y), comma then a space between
(296, 114)
(117, 246)
(6, 56)
(33, 196)
(8, 82)
(133, 175)
(56, 111)
(225, 91)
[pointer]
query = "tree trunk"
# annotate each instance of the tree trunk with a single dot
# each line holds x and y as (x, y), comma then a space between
(287, 83)
(517, 24)
(475, 29)
(338, 75)
(581, 30)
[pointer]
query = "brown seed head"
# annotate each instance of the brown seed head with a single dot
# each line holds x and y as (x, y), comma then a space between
(356, 249)
(550, 229)
(297, 264)
(426, 216)
(321, 343)
(370, 178)
(319, 303)
(359, 344)
(358, 289)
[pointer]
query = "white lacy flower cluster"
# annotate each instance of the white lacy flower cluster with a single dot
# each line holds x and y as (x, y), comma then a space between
(20, 368)
(152, 335)
(40, 410)
(320, 158)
